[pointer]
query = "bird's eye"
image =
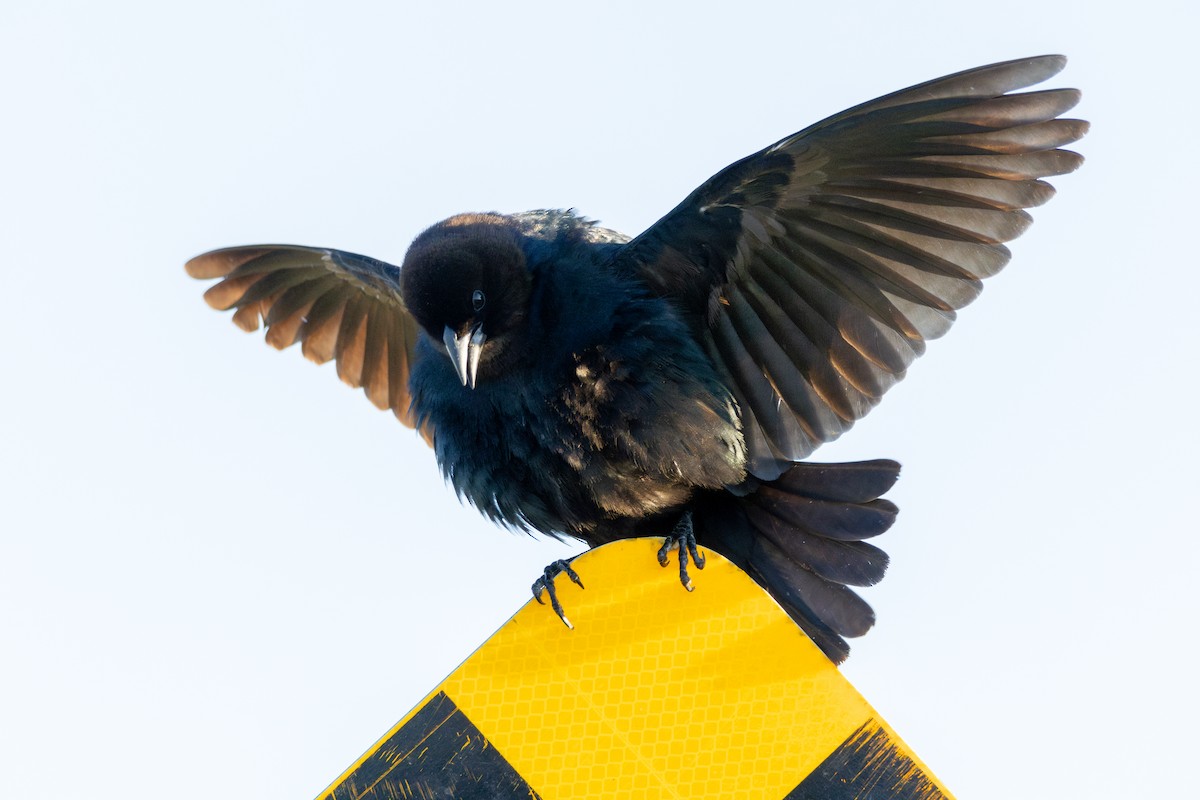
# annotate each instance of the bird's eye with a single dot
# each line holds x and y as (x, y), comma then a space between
(478, 299)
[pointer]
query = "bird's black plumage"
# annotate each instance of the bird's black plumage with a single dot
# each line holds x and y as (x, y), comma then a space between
(580, 384)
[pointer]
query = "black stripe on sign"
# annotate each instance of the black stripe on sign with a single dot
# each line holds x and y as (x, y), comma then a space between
(867, 766)
(438, 754)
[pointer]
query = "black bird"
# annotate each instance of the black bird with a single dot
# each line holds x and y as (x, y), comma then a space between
(578, 383)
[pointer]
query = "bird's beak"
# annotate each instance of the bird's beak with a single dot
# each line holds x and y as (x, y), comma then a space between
(464, 352)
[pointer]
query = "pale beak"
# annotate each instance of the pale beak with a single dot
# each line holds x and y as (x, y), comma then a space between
(464, 352)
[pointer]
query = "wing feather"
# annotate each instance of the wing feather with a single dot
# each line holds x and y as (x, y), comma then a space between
(819, 267)
(337, 305)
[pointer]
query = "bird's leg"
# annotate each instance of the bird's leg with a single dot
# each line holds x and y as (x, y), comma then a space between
(546, 584)
(683, 539)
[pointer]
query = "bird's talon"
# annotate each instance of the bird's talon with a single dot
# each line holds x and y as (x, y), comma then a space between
(545, 584)
(573, 575)
(683, 539)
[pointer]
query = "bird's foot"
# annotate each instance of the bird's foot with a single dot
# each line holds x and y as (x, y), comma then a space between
(546, 584)
(683, 539)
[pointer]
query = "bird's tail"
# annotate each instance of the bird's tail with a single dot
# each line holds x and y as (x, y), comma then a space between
(801, 537)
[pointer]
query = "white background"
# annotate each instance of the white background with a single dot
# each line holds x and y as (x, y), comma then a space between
(224, 573)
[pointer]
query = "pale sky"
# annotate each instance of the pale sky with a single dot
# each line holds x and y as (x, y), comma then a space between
(224, 573)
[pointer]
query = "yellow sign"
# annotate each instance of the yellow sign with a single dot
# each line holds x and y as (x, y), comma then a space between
(656, 693)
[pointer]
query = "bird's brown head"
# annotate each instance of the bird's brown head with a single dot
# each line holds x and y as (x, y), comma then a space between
(466, 282)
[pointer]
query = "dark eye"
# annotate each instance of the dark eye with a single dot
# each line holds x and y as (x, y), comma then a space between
(478, 299)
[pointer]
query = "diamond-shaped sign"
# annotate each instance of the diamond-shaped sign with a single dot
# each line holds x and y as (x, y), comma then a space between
(656, 693)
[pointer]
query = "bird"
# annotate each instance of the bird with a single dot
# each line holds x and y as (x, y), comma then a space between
(587, 385)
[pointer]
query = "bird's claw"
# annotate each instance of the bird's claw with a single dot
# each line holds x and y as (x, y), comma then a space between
(683, 539)
(546, 584)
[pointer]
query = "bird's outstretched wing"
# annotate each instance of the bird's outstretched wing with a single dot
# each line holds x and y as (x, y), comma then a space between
(338, 305)
(813, 271)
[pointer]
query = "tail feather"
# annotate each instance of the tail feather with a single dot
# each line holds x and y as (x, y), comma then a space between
(854, 482)
(800, 536)
(835, 605)
(853, 563)
(846, 521)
